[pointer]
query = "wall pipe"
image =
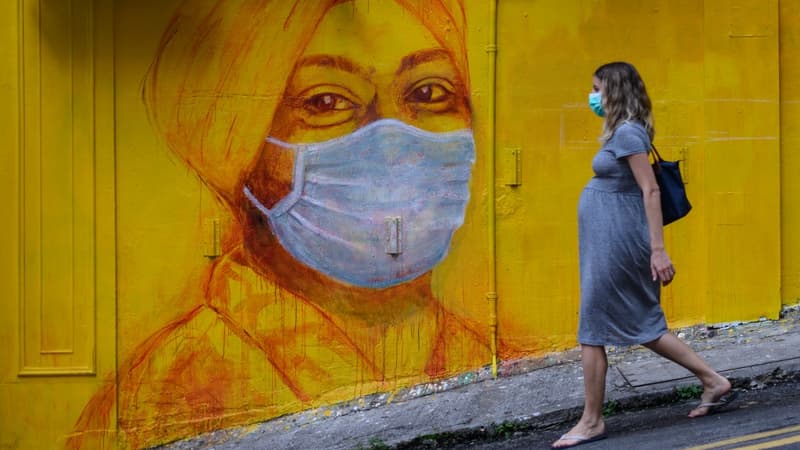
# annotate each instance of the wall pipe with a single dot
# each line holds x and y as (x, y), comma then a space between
(491, 295)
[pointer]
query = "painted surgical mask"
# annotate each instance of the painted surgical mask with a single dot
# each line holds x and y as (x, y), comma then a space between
(377, 207)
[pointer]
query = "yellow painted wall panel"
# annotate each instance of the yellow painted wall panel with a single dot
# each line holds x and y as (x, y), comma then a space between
(58, 298)
(9, 186)
(714, 112)
(58, 163)
(547, 81)
(790, 148)
(742, 177)
(39, 415)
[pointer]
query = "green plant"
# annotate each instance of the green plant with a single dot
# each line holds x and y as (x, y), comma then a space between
(504, 429)
(688, 392)
(610, 408)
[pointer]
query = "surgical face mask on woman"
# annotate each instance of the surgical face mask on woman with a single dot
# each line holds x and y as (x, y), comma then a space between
(596, 103)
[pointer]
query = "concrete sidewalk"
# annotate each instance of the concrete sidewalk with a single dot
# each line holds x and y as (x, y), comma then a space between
(533, 394)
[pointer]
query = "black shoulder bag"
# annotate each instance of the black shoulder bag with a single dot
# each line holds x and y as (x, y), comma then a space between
(674, 203)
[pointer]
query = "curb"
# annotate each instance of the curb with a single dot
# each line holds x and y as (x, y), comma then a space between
(563, 417)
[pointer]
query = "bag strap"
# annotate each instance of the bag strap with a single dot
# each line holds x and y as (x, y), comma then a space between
(656, 155)
(657, 159)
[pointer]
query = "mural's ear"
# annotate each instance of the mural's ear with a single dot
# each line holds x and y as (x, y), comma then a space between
(217, 77)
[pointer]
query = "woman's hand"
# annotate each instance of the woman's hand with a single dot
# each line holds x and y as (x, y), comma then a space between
(661, 266)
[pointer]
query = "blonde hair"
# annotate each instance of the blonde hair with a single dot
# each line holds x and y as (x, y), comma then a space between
(624, 98)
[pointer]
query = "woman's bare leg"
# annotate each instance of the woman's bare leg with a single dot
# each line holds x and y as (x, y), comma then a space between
(595, 366)
(714, 385)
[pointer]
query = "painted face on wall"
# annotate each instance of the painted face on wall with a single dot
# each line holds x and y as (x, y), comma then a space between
(364, 175)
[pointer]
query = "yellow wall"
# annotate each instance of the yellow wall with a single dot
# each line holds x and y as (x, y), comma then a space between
(711, 69)
(117, 318)
(790, 157)
(58, 238)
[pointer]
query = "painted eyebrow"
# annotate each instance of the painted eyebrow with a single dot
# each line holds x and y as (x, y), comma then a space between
(423, 56)
(345, 64)
(334, 62)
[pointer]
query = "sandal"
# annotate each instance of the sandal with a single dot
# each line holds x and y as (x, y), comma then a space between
(712, 407)
(579, 440)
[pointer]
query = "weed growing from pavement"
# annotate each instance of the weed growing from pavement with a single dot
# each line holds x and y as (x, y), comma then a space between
(495, 432)
(505, 429)
(610, 408)
(688, 392)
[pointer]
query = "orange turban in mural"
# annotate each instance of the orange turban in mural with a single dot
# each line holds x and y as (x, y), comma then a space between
(220, 72)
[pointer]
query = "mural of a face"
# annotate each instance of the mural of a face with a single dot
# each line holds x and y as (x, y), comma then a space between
(318, 125)
(364, 175)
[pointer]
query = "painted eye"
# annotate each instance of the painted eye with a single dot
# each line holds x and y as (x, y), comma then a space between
(327, 102)
(433, 95)
(429, 93)
(325, 105)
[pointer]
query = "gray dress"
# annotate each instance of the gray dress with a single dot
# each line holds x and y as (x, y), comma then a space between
(620, 302)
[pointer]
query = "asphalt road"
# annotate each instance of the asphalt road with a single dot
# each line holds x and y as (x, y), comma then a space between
(765, 418)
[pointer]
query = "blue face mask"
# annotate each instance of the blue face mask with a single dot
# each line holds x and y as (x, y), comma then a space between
(596, 103)
(377, 207)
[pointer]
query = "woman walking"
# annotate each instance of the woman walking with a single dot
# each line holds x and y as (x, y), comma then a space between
(622, 255)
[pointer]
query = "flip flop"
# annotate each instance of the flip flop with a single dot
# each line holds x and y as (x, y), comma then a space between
(579, 440)
(725, 400)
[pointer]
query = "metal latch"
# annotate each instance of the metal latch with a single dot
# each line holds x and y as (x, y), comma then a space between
(394, 244)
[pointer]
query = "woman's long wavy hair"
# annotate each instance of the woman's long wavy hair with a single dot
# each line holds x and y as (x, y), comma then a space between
(624, 98)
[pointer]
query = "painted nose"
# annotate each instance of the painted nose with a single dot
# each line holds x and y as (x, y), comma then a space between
(382, 107)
